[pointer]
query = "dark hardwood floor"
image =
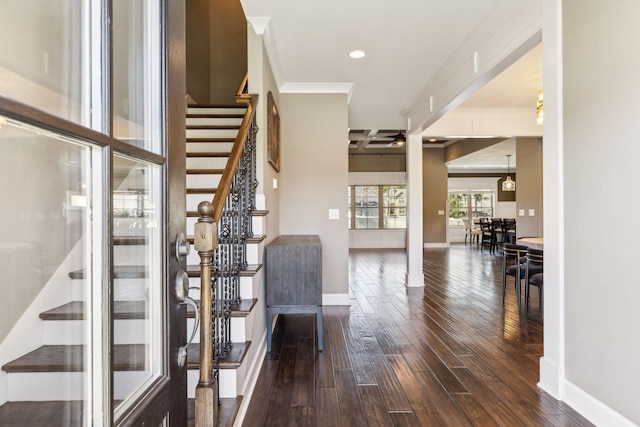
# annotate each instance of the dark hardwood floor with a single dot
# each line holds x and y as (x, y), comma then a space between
(448, 354)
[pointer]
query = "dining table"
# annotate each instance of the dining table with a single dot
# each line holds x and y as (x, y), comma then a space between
(531, 242)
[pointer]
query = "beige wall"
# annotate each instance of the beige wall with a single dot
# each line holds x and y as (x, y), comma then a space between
(228, 53)
(216, 50)
(197, 50)
(314, 178)
(434, 188)
(529, 187)
(601, 65)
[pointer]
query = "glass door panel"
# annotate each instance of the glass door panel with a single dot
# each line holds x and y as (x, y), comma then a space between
(51, 261)
(137, 279)
(137, 73)
(46, 57)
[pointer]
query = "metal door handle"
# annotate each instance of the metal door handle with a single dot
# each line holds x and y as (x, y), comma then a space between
(182, 295)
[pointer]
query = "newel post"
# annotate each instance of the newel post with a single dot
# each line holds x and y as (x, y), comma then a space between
(207, 390)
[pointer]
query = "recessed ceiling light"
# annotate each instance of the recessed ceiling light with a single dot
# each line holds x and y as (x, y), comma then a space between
(357, 54)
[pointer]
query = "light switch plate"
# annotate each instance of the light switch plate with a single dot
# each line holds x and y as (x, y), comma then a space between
(334, 213)
(521, 212)
(275, 183)
(532, 212)
(440, 212)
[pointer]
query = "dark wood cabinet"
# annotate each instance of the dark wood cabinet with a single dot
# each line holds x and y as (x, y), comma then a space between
(293, 266)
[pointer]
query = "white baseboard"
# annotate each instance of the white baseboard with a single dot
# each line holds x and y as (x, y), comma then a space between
(436, 245)
(251, 380)
(550, 377)
(414, 280)
(593, 409)
(336, 299)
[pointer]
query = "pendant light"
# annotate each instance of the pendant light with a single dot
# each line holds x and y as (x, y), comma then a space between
(508, 184)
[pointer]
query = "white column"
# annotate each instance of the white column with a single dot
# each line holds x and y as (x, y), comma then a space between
(415, 275)
(552, 363)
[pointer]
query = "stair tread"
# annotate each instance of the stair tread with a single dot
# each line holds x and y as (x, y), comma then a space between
(195, 214)
(129, 240)
(215, 116)
(256, 238)
(210, 139)
(42, 413)
(201, 190)
(70, 358)
(205, 171)
(212, 127)
(75, 310)
(119, 272)
(216, 106)
(193, 270)
(243, 309)
(227, 411)
(232, 360)
(207, 154)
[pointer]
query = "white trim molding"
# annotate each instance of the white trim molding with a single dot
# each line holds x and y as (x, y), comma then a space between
(336, 299)
(593, 409)
(436, 245)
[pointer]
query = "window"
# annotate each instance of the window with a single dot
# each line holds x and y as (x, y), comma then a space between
(375, 207)
(469, 205)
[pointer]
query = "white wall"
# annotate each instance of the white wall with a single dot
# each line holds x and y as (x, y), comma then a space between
(314, 178)
(377, 238)
(601, 65)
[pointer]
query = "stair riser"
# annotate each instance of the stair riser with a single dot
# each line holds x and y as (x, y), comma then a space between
(124, 290)
(215, 110)
(41, 386)
(71, 332)
(206, 162)
(238, 329)
(217, 121)
(228, 383)
(130, 254)
(131, 227)
(252, 253)
(209, 147)
(193, 200)
(211, 133)
(246, 288)
(257, 223)
(203, 181)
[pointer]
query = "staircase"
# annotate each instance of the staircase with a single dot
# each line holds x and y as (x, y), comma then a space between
(211, 132)
(46, 386)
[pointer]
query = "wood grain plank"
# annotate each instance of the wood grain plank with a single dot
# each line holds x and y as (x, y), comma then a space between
(375, 411)
(351, 411)
(327, 409)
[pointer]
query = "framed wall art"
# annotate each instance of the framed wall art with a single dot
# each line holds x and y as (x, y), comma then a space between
(273, 133)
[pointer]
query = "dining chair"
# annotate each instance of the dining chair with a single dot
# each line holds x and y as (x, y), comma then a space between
(498, 233)
(534, 274)
(471, 232)
(513, 265)
(486, 238)
(509, 229)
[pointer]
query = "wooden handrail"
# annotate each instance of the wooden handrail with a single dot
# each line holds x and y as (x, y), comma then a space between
(242, 95)
(234, 158)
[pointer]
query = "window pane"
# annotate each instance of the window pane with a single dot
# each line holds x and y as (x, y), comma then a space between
(482, 205)
(47, 246)
(45, 56)
(395, 203)
(367, 211)
(137, 73)
(137, 282)
(458, 208)
(349, 206)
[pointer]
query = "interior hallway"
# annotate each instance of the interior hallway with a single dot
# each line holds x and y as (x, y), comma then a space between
(447, 354)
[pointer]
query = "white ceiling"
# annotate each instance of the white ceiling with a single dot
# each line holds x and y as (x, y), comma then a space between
(406, 42)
